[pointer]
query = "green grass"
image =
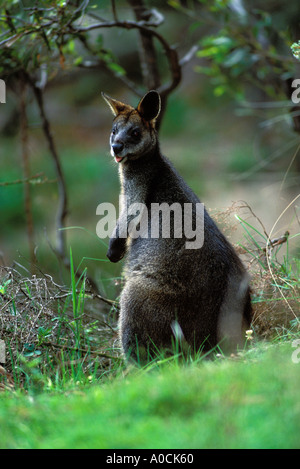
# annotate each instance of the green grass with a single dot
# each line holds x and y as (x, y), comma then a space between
(72, 390)
(249, 403)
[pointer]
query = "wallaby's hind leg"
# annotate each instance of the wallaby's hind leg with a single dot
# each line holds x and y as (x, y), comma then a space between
(145, 321)
(152, 319)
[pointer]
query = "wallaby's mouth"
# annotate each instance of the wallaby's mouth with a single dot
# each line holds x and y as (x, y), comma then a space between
(119, 159)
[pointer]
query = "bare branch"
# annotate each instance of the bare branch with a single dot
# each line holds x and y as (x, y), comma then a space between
(101, 63)
(148, 58)
(148, 54)
(63, 200)
(67, 347)
(8, 42)
(151, 73)
(188, 56)
(114, 9)
(26, 172)
(36, 179)
(123, 78)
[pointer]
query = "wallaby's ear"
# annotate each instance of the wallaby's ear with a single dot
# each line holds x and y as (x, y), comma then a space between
(149, 106)
(116, 106)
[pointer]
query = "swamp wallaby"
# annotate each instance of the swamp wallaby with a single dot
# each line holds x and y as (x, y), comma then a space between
(174, 290)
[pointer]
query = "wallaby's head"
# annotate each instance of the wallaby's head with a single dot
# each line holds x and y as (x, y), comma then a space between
(133, 132)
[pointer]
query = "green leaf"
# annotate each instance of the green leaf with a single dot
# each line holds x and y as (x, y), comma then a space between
(3, 287)
(295, 47)
(116, 68)
(235, 57)
(228, 42)
(78, 61)
(219, 90)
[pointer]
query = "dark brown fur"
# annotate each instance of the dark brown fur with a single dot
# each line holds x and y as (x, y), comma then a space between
(199, 297)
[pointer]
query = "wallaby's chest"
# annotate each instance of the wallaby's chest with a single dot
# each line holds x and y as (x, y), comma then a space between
(134, 186)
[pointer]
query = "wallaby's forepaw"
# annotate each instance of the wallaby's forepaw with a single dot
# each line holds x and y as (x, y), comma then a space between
(114, 256)
(116, 250)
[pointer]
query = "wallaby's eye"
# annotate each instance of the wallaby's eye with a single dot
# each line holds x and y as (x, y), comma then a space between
(136, 133)
(114, 131)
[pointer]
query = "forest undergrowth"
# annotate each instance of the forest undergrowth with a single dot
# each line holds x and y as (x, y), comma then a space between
(57, 336)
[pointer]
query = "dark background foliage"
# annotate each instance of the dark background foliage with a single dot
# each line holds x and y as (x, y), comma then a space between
(225, 71)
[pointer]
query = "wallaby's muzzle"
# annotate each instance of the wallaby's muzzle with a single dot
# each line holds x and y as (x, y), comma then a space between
(117, 147)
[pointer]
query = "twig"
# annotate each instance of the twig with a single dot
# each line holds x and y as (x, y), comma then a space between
(105, 300)
(94, 352)
(60, 249)
(36, 179)
(268, 243)
(66, 262)
(100, 63)
(150, 70)
(62, 192)
(276, 242)
(12, 39)
(145, 28)
(255, 216)
(148, 59)
(114, 10)
(188, 56)
(26, 172)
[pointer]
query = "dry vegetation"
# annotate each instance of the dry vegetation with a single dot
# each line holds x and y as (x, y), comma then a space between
(37, 321)
(73, 331)
(274, 272)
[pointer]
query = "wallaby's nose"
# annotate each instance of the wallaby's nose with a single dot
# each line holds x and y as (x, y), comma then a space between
(117, 147)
